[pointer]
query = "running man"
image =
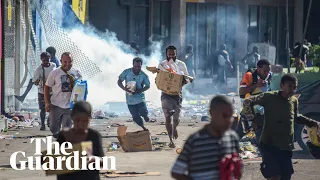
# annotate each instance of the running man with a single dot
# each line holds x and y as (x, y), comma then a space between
(171, 104)
(281, 113)
(136, 99)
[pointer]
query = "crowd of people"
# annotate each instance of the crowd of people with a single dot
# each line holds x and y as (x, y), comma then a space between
(210, 153)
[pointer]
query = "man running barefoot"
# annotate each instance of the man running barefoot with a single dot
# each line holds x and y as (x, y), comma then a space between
(171, 104)
(136, 99)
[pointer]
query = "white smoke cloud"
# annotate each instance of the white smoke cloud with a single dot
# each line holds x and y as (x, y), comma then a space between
(112, 57)
(112, 60)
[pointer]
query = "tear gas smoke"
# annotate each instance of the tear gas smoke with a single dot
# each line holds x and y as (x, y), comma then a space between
(112, 56)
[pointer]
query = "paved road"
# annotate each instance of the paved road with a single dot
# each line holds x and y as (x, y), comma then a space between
(305, 167)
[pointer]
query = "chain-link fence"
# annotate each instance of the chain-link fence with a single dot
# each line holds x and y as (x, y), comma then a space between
(9, 52)
(21, 47)
(58, 37)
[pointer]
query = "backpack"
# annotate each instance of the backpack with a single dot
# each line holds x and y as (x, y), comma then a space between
(255, 76)
(213, 61)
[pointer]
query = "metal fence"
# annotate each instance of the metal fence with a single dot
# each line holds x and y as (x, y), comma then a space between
(21, 47)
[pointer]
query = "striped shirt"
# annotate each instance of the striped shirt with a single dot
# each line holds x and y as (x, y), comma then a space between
(202, 153)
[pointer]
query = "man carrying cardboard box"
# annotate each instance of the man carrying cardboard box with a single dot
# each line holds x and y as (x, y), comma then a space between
(139, 83)
(171, 104)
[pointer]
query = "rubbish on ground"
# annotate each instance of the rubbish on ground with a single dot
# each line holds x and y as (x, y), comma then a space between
(130, 120)
(113, 146)
(205, 118)
(3, 123)
(250, 136)
(7, 137)
(157, 149)
(129, 174)
(190, 124)
(20, 137)
(247, 146)
(163, 133)
(134, 141)
(248, 155)
(178, 150)
(153, 120)
(159, 144)
(154, 138)
(116, 125)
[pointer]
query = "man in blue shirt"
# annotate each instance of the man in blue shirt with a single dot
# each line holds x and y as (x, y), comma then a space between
(136, 99)
(52, 51)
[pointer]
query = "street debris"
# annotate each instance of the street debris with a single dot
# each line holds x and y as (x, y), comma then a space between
(113, 174)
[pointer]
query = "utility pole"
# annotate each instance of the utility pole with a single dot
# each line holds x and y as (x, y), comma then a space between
(287, 36)
(17, 55)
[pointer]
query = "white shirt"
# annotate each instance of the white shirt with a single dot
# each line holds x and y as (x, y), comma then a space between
(38, 75)
(61, 87)
(178, 65)
(221, 60)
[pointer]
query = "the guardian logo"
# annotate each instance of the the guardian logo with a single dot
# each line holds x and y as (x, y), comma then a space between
(60, 158)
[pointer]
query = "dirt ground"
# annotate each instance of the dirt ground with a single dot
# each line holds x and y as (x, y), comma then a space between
(305, 167)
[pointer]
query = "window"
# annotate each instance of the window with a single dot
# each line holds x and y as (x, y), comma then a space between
(142, 2)
(208, 26)
(268, 24)
(161, 21)
(253, 28)
(141, 26)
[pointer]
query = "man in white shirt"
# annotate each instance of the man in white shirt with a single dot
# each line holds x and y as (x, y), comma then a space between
(61, 80)
(39, 79)
(171, 104)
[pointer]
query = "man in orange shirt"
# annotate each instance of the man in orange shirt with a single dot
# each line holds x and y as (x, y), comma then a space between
(256, 81)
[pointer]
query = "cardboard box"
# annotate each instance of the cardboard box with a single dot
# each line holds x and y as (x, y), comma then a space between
(134, 141)
(169, 83)
(83, 146)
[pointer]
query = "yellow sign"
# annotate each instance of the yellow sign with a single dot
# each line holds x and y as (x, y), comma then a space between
(9, 12)
(79, 7)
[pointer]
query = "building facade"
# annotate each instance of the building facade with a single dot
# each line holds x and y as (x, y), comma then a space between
(203, 23)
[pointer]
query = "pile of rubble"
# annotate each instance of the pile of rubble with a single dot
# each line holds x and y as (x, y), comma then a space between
(248, 147)
(18, 120)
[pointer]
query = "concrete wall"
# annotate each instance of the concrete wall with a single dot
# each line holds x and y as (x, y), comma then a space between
(178, 24)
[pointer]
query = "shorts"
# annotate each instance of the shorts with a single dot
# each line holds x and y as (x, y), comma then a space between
(171, 106)
(276, 162)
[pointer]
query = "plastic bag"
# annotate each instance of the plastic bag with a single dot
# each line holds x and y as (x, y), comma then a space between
(79, 92)
(230, 166)
(171, 67)
(131, 85)
(314, 136)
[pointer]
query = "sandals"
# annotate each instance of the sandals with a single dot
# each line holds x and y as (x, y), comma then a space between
(171, 145)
